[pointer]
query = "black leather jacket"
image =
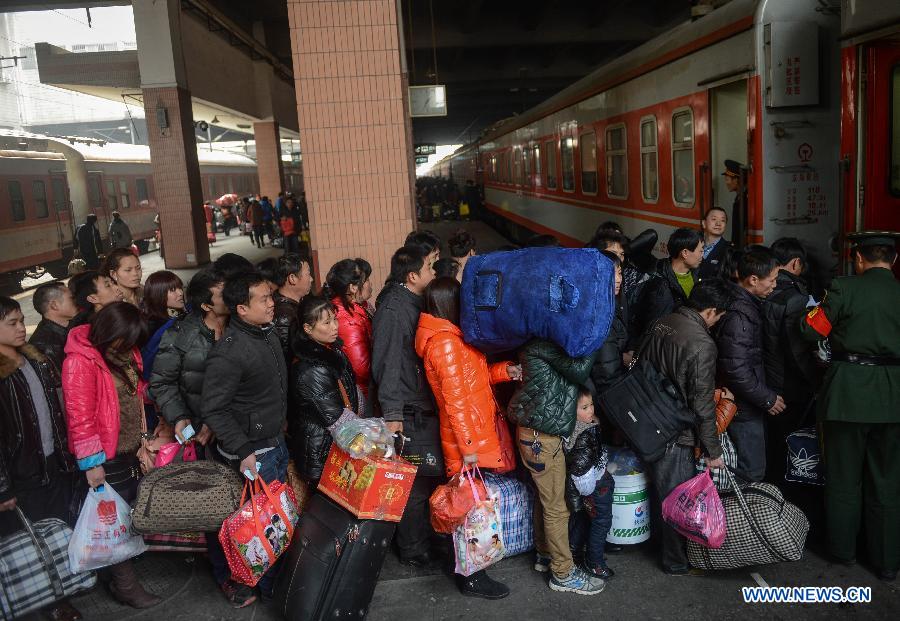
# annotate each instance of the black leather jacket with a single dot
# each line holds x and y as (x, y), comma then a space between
(50, 339)
(245, 389)
(681, 348)
(22, 459)
(285, 322)
(740, 367)
(176, 383)
(660, 296)
(584, 455)
(316, 402)
(608, 366)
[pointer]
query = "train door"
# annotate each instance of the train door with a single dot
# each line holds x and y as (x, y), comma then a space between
(98, 202)
(728, 137)
(882, 169)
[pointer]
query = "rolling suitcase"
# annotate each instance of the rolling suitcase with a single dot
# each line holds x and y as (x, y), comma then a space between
(332, 565)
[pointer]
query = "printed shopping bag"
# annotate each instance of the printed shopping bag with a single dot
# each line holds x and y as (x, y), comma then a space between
(695, 510)
(478, 542)
(259, 532)
(103, 534)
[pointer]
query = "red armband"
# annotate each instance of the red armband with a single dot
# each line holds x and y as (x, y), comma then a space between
(817, 320)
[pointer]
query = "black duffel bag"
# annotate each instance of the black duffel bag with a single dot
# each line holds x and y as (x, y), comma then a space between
(648, 408)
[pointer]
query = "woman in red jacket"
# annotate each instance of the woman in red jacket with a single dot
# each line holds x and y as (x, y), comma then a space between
(343, 285)
(461, 379)
(103, 386)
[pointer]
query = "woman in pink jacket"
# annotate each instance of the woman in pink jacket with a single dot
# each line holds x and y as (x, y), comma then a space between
(343, 285)
(103, 386)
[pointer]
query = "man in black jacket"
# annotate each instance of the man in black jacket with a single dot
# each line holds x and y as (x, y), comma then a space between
(293, 278)
(245, 387)
(715, 246)
(403, 393)
(741, 366)
(791, 368)
(675, 278)
(682, 349)
(56, 305)
(92, 291)
(89, 243)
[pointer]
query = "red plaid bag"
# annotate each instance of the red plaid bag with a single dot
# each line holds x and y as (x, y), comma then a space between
(259, 532)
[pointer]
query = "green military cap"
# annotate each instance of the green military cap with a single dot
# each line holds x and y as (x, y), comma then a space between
(865, 239)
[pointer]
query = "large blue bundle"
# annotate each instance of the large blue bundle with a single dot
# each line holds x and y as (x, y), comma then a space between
(564, 295)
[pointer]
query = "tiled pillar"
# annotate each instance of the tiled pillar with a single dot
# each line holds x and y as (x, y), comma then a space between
(354, 129)
(176, 174)
(268, 158)
(170, 132)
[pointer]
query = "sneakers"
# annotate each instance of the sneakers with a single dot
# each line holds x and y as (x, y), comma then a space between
(542, 563)
(603, 572)
(238, 595)
(577, 582)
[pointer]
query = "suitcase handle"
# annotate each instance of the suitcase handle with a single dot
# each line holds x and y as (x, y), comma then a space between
(751, 520)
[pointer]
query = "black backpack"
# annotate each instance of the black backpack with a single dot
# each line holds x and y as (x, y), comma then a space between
(648, 408)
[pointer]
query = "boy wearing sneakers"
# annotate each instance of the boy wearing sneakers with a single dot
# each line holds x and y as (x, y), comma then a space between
(544, 408)
(589, 488)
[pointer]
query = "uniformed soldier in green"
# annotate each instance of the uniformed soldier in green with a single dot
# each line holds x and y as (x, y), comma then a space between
(859, 403)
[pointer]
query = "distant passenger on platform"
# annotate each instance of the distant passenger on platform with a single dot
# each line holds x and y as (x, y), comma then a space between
(255, 218)
(124, 269)
(92, 291)
(88, 243)
(741, 366)
(715, 246)
(290, 226)
(268, 217)
(56, 305)
(732, 176)
(462, 248)
(674, 280)
(293, 279)
(119, 233)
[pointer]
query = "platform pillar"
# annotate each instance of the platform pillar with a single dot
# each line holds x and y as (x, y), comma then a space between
(170, 131)
(354, 129)
(268, 158)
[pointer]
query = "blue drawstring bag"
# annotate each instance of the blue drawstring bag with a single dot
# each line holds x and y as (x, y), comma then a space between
(564, 295)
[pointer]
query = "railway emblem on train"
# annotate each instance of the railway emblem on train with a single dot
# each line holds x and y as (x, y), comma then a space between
(805, 152)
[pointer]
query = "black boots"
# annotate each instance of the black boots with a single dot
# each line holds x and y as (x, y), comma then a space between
(126, 588)
(480, 584)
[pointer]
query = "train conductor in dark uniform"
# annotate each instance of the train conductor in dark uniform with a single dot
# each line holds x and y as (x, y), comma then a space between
(732, 176)
(859, 404)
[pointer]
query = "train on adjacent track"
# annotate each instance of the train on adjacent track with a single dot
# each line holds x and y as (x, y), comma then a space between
(805, 94)
(40, 174)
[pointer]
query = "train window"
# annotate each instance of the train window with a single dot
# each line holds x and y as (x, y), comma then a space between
(538, 172)
(16, 200)
(588, 146)
(123, 191)
(141, 190)
(683, 156)
(895, 131)
(39, 195)
(508, 168)
(616, 162)
(111, 197)
(550, 148)
(517, 166)
(94, 194)
(568, 164)
(493, 168)
(526, 164)
(649, 160)
(59, 194)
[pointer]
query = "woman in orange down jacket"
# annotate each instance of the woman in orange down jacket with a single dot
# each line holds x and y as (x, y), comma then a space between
(461, 379)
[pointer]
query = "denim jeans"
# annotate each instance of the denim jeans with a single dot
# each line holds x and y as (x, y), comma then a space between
(591, 525)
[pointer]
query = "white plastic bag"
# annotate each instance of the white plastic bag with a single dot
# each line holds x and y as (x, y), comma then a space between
(103, 534)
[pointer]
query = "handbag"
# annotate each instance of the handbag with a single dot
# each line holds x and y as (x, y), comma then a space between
(804, 458)
(762, 528)
(34, 567)
(260, 531)
(648, 408)
(478, 542)
(726, 409)
(421, 445)
(190, 496)
(151, 443)
(507, 446)
(452, 501)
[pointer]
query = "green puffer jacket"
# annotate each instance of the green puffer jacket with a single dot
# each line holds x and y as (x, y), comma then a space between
(547, 399)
